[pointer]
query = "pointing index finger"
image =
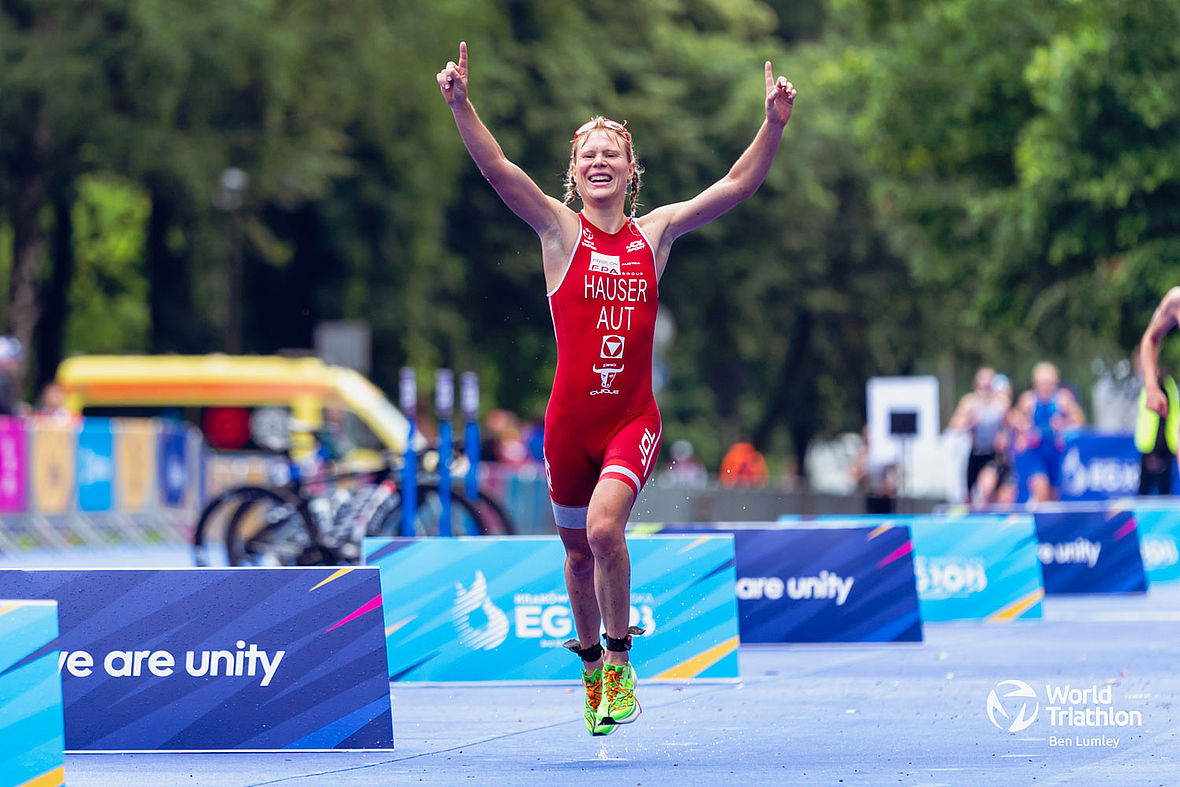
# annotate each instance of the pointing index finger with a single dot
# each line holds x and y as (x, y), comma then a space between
(463, 57)
(769, 76)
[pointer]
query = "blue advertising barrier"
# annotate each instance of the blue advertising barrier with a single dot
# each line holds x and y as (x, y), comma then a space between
(967, 566)
(217, 659)
(172, 464)
(1089, 550)
(1099, 466)
(976, 567)
(493, 609)
(806, 583)
(31, 737)
(1159, 540)
(96, 465)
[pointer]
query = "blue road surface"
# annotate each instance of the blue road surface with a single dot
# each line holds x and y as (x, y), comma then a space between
(851, 715)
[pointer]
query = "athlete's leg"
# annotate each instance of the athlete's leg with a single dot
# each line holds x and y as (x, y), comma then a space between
(610, 505)
(579, 584)
(1053, 453)
(985, 487)
(1039, 490)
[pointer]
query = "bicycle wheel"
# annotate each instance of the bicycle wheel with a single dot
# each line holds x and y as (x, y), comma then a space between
(387, 519)
(213, 521)
(429, 513)
(272, 529)
(495, 517)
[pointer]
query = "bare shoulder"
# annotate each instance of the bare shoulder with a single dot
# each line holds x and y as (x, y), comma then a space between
(969, 400)
(657, 228)
(567, 224)
(655, 224)
(558, 241)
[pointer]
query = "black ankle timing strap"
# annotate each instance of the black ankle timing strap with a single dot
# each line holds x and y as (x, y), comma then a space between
(592, 653)
(619, 645)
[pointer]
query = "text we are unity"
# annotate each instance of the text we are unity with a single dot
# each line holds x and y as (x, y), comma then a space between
(244, 662)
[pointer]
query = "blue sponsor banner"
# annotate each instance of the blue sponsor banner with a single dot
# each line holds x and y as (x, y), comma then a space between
(977, 567)
(172, 464)
(808, 583)
(1159, 541)
(1099, 466)
(31, 737)
(968, 566)
(490, 609)
(1089, 550)
(218, 659)
(95, 469)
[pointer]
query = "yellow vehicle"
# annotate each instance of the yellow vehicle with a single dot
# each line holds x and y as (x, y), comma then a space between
(241, 403)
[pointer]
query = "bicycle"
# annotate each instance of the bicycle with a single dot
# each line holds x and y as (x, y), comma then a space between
(317, 521)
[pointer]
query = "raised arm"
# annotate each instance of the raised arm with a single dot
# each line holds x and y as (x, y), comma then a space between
(1149, 348)
(742, 180)
(522, 196)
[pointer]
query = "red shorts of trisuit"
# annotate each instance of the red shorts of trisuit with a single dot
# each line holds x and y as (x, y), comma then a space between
(602, 420)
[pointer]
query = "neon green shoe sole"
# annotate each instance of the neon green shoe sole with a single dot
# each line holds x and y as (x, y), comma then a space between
(618, 704)
(593, 685)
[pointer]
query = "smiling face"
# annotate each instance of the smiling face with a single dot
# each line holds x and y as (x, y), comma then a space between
(602, 166)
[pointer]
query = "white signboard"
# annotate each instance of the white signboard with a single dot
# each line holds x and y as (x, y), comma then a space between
(902, 417)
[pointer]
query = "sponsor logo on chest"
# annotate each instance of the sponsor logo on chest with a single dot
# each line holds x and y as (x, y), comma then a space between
(605, 263)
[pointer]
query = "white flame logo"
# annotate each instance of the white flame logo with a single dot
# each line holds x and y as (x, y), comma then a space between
(493, 633)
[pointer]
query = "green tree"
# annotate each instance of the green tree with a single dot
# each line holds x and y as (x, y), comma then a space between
(51, 97)
(1099, 174)
(1027, 167)
(108, 304)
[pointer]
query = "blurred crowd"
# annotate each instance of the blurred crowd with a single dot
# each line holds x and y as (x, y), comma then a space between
(52, 401)
(1016, 444)
(514, 442)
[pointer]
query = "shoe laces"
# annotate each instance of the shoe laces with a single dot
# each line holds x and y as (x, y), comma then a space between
(613, 685)
(593, 689)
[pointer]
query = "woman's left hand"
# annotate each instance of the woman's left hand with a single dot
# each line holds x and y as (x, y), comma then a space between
(780, 97)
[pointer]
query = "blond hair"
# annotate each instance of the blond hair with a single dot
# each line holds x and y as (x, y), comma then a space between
(599, 122)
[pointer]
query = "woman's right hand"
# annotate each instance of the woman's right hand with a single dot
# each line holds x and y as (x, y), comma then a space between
(452, 80)
(1157, 402)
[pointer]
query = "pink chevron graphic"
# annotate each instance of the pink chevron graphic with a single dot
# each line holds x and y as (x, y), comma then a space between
(369, 606)
(1125, 530)
(901, 551)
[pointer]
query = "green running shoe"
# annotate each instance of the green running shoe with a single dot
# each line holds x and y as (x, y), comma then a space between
(618, 705)
(593, 684)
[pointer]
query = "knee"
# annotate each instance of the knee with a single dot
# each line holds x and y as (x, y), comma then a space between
(580, 561)
(605, 537)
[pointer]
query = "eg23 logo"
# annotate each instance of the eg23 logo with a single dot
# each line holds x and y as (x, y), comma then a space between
(532, 620)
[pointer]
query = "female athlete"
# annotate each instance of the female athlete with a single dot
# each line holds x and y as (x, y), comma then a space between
(602, 428)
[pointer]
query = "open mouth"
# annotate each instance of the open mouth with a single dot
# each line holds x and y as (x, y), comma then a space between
(600, 178)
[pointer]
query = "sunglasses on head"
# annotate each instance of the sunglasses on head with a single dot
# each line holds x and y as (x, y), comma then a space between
(610, 125)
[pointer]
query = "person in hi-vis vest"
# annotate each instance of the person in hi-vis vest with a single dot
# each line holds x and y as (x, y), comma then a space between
(1157, 439)
(1159, 398)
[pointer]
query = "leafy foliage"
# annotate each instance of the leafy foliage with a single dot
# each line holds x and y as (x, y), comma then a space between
(963, 181)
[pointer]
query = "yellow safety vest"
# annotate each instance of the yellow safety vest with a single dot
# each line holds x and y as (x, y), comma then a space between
(1148, 424)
